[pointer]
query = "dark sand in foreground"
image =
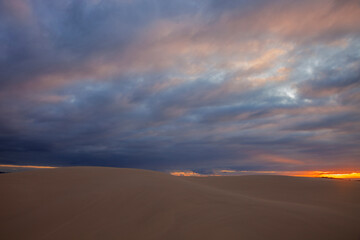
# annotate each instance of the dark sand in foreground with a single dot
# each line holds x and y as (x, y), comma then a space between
(112, 203)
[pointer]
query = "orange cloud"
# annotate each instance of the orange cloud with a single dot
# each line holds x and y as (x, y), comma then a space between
(227, 171)
(187, 174)
(23, 166)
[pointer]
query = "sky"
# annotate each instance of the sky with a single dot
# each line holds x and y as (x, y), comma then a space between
(181, 85)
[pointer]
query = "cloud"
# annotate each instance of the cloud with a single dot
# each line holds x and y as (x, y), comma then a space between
(180, 85)
(186, 174)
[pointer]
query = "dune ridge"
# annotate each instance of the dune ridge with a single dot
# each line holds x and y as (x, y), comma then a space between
(114, 203)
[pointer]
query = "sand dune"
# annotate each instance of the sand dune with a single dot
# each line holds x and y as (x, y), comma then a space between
(110, 203)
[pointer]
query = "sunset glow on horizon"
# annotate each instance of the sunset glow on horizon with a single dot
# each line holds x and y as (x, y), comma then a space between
(331, 174)
(314, 174)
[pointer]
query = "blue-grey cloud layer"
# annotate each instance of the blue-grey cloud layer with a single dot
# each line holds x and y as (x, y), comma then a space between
(205, 84)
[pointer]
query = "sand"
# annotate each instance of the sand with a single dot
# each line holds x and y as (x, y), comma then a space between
(113, 203)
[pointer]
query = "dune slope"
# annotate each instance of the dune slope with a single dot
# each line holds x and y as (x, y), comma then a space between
(113, 203)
